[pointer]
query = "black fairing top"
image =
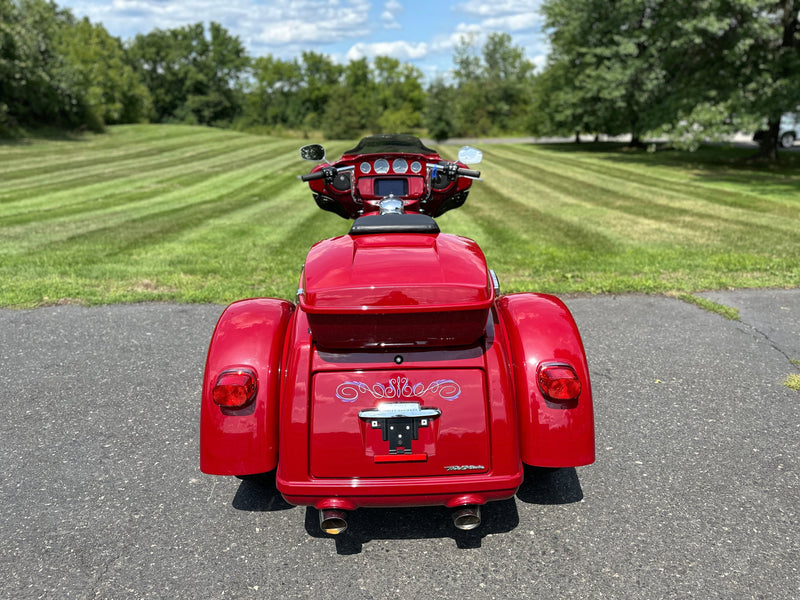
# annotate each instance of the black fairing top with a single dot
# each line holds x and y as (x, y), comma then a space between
(390, 143)
(394, 223)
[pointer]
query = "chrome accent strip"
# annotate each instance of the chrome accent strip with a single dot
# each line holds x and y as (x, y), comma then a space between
(495, 282)
(392, 410)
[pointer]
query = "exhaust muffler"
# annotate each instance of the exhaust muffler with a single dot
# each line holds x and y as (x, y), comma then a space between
(333, 520)
(467, 517)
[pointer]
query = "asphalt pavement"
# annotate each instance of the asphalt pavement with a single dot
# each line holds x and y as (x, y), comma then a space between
(694, 493)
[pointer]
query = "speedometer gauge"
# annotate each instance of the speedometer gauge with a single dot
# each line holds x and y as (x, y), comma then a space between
(399, 165)
(381, 166)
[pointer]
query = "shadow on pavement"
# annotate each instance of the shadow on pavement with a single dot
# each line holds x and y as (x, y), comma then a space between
(258, 493)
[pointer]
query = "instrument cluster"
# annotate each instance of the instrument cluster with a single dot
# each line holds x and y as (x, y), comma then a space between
(381, 166)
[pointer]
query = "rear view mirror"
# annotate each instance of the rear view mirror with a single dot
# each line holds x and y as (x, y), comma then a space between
(470, 156)
(313, 152)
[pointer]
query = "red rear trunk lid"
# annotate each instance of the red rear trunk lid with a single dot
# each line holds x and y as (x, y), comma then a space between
(396, 290)
(421, 422)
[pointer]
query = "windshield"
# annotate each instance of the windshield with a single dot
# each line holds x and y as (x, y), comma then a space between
(390, 143)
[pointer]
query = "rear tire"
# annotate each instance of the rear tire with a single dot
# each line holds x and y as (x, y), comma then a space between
(787, 140)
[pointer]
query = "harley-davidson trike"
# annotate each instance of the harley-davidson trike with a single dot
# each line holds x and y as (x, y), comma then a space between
(401, 376)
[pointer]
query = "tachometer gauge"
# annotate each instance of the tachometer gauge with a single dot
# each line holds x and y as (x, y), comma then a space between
(399, 165)
(416, 167)
(365, 167)
(381, 166)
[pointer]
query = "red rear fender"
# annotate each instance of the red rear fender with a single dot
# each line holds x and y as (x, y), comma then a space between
(541, 331)
(249, 336)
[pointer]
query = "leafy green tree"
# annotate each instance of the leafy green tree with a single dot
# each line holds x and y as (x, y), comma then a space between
(37, 84)
(470, 104)
(736, 65)
(400, 95)
(439, 117)
(191, 77)
(342, 117)
(351, 107)
(693, 69)
(361, 94)
(494, 85)
(273, 97)
(112, 91)
(605, 72)
(321, 76)
(508, 82)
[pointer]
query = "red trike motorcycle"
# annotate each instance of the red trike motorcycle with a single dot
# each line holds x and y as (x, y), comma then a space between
(401, 376)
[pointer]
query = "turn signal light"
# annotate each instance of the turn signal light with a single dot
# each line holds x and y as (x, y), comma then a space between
(559, 382)
(235, 388)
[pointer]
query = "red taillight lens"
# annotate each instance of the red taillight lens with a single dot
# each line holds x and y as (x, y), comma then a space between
(234, 389)
(559, 382)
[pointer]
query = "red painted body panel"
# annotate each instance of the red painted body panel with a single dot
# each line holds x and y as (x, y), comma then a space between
(396, 289)
(541, 329)
(244, 441)
(343, 444)
(322, 434)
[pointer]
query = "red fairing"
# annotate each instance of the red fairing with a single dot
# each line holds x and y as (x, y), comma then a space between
(541, 330)
(249, 336)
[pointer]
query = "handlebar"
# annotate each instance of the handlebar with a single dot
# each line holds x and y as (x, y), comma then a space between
(468, 173)
(328, 173)
(452, 170)
(311, 176)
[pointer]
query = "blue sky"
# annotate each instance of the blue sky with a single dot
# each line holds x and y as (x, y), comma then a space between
(421, 32)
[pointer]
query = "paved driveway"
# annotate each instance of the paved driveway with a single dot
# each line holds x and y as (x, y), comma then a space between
(694, 494)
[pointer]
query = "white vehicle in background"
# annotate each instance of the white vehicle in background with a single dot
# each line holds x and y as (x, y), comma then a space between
(789, 132)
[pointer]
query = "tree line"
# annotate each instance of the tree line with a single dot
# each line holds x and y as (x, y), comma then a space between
(687, 69)
(60, 71)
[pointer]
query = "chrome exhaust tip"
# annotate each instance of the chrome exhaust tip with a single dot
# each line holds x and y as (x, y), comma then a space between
(332, 520)
(467, 517)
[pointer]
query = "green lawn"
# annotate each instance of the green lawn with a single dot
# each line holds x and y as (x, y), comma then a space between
(192, 214)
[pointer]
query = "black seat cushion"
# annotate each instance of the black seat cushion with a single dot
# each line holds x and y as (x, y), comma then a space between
(394, 223)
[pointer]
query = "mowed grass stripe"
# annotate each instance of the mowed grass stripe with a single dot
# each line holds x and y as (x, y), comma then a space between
(131, 196)
(144, 185)
(646, 199)
(755, 190)
(220, 216)
(214, 187)
(101, 168)
(23, 161)
(99, 180)
(628, 263)
(558, 194)
(117, 141)
(101, 244)
(201, 260)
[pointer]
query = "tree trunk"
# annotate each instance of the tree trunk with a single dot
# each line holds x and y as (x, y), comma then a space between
(577, 137)
(768, 144)
(636, 141)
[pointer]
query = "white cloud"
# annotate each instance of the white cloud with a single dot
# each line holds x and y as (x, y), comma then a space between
(519, 22)
(342, 29)
(269, 25)
(500, 7)
(391, 10)
(399, 50)
(504, 15)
